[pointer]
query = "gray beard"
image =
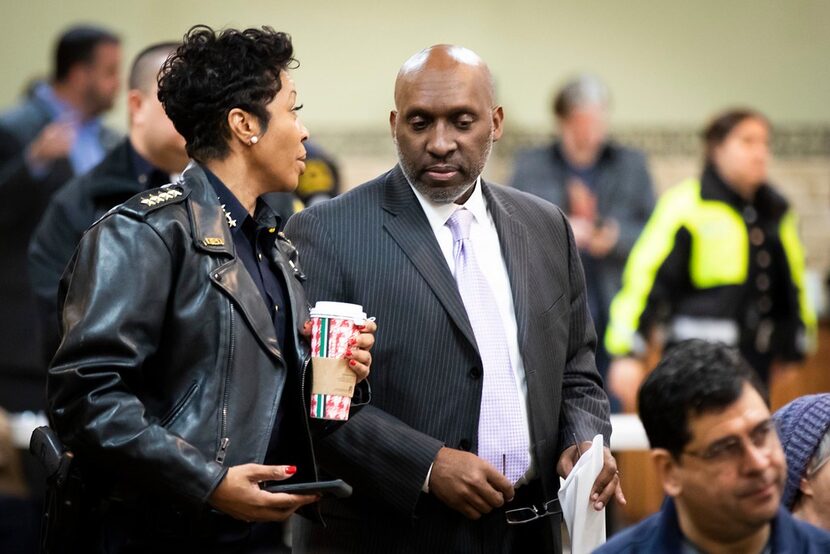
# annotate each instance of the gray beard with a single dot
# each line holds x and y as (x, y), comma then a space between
(442, 195)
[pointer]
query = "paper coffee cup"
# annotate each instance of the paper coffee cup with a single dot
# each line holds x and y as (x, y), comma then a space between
(332, 387)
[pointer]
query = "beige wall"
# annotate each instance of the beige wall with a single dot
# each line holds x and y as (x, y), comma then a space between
(667, 62)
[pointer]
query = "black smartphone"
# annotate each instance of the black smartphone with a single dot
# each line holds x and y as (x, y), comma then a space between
(337, 487)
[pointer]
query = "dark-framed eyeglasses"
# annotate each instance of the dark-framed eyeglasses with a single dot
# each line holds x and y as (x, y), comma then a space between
(733, 449)
(517, 516)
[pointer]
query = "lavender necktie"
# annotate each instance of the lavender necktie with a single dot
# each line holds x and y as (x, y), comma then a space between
(502, 437)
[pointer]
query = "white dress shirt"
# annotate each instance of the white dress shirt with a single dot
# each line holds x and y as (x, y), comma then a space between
(485, 243)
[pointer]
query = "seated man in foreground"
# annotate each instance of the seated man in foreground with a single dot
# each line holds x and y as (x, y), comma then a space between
(719, 459)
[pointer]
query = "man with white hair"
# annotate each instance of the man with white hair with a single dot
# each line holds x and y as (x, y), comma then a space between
(485, 375)
(53, 135)
(604, 187)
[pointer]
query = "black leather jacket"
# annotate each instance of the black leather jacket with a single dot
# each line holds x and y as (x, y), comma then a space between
(169, 370)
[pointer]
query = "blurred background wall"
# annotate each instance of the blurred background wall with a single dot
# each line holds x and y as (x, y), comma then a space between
(669, 65)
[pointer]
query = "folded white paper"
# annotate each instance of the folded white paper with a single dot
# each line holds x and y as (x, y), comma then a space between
(586, 526)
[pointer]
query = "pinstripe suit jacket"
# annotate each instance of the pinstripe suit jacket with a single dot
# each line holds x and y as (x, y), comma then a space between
(373, 246)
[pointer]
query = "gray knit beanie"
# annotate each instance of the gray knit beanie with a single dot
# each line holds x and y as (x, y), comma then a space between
(801, 425)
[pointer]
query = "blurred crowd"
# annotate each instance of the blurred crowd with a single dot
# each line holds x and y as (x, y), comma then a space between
(715, 260)
(61, 169)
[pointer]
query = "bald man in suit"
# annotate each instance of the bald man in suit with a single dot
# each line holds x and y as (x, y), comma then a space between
(485, 375)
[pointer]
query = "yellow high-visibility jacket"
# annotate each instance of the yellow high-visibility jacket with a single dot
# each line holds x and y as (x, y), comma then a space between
(711, 265)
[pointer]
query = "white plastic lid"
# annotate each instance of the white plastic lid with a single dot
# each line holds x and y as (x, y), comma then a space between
(338, 310)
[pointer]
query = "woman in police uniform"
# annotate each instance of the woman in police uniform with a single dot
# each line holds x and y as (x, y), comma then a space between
(719, 259)
(182, 381)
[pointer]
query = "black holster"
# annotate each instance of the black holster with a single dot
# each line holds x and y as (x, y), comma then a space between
(61, 527)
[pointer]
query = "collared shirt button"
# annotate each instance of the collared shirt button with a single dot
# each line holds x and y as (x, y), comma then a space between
(763, 258)
(762, 282)
(475, 372)
(756, 236)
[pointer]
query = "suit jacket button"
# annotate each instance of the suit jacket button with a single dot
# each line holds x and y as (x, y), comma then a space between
(475, 372)
(464, 444)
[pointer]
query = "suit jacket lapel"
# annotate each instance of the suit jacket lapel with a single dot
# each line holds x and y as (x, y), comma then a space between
(410, 229)
(515, 248)
(211, 234)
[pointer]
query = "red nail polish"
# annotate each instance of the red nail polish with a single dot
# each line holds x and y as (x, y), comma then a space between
(290, 470)
(352, 341)
(349, 353)
(352, 363)
(361, 327)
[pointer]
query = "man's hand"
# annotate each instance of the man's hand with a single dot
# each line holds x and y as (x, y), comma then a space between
(604, 239)
(583, 230)
(607, 482)
(468, 484)
(582, 203)
(239, 495)
(625, 375)
(53, 142)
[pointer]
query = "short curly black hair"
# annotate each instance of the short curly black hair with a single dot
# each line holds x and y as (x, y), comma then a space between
(213, 72)
(695, 377)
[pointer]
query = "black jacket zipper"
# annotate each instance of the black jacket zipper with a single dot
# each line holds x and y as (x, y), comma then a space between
(306, 409)
(225, 439)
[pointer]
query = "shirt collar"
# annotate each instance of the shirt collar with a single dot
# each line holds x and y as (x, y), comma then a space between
(142, 169)
(438, 214)
(235, 212)
(713, 187)
(59, 109)
(265, 216)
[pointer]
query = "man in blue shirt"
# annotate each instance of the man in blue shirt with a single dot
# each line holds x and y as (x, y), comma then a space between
(153, 154)
(54, 134)
(604, 187)
(719, 459)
